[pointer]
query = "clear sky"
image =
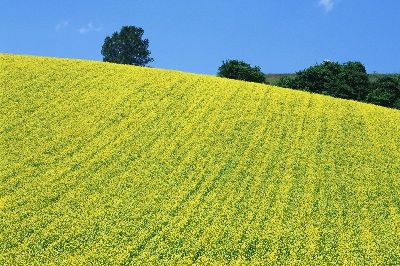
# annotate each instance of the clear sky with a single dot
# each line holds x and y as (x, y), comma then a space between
(280, 36)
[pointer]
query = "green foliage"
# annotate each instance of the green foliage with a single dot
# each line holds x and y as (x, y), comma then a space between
(386, 92)
(375, 76)
(235, 69)
(127, 47)
(397, 103)
(286, 82)
(348, 81)
(355, 77)
(319, 78)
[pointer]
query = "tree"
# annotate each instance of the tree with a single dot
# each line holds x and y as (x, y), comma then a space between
(322, 78)
(397, 103)
(287, 82)
(235, 69)
(385, 91)
(348, 81)
(355, 76)
(127, 47)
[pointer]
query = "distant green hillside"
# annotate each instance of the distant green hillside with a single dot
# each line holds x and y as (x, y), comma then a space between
(105, 164)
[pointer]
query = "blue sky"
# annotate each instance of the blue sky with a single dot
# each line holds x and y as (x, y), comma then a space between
(195, 36)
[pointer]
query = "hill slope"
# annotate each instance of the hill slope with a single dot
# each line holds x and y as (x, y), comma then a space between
(111, 164)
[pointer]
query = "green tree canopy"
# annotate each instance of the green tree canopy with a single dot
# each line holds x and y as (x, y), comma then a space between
(386, 92)
(127, 47)
(235, 69)
(349, 80)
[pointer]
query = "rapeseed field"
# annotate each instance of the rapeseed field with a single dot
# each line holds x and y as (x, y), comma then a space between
(105, 164)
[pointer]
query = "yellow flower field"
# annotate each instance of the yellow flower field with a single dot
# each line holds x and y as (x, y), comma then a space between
(105, 164)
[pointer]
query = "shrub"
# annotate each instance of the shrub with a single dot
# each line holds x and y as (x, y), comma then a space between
(235, 69)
